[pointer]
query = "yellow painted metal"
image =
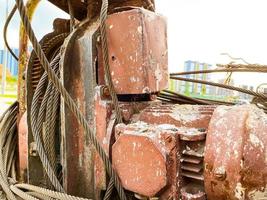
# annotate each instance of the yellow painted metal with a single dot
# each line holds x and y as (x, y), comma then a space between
(31, 6)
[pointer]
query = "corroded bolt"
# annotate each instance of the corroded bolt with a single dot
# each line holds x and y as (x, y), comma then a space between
(24, 76)
(33, 149)
(169, 139)
(220, 173)
(98, 39)
(153, 97)
(104, 92)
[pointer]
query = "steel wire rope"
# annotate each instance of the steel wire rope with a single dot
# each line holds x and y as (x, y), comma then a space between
(68, 100)
(11, 14)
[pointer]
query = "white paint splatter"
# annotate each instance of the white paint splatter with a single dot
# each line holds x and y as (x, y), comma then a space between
(240, 192)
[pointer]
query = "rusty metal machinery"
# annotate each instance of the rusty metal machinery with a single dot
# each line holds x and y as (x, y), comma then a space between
(165, 148)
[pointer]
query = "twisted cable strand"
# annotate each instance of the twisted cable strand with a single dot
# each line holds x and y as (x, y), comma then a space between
(103, 17)
(37, 118)
(254, 69)
(261, 95)
(11, 14)
(50, 193)
(68, 100)
(22, 194)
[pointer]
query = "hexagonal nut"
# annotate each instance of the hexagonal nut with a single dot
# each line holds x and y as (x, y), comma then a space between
(33, 149)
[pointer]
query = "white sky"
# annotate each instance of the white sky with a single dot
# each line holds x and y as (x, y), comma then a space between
(198, 30)
(203, 29)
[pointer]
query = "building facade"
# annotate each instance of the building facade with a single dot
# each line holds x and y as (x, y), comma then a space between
(12, 64)
(193, 88)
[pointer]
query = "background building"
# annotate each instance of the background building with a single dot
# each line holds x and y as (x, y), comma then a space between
(193, 88)
(225, 92)
(243, 95)
(12, 64)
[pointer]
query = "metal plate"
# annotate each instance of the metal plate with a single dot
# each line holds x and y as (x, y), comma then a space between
(235, 155)
(138, 57)
(79, 78)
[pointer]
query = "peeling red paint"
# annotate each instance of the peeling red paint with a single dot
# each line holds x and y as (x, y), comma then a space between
(141, 66)
(235, 156)
(23, 147)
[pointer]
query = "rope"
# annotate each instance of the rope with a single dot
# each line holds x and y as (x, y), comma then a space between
(49, 193)
(39, 196)
(103, 16)
(68, 100)
(235, 58)
(225, 69)
(186, 97)
(173, 97)
(36, 122)
(71, 13)
(231, 65)
(261, 85)
(261, 95)
(21, 194)
(11, 14)
(8, 129)
(150, 5)
(109, 189)
(47, 114)
(261, 103)
(259, 99)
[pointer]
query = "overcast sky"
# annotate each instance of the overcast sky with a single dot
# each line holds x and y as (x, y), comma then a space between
(42, 20)
(198, 30)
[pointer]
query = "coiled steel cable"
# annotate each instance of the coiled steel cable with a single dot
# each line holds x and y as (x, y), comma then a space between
(49, 193)
(8, 146)
(6, 123)
(22, 194)
(36, 122)
(25, 191)
(11, 14)
(39, 196)
(50, 127)
(68, 100)
(46, 115)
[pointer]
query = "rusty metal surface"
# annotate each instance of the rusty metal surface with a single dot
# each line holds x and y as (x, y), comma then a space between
(192, 134)
(179, 115)
(141, 66)
(31, 6)
(235, 156)
(131, 111)
(23, 147)
(146, 140)
(79, 78)
(140, 159)
(50, 44)
(193, 192)
(192, 160)
(104, 127)
(91, 8)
